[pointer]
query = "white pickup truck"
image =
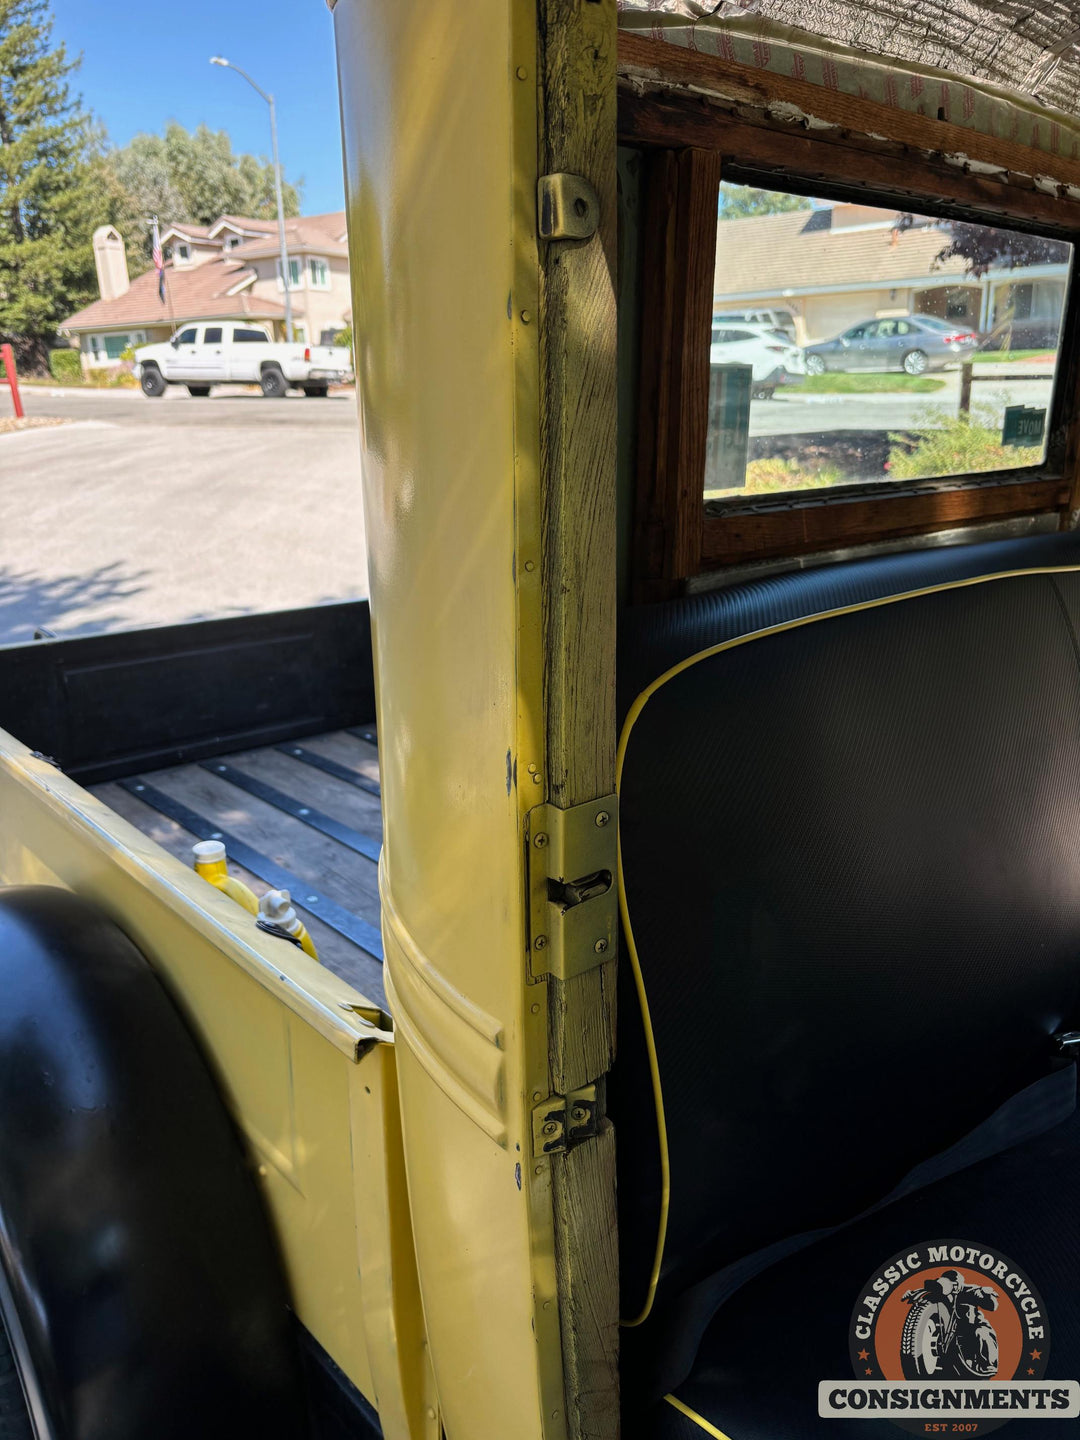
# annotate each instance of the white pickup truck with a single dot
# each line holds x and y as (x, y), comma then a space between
(233, 352)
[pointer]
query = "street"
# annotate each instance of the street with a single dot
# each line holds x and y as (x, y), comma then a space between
(147, 512)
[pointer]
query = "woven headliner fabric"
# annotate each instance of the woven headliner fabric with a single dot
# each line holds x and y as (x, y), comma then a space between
(1033, 50)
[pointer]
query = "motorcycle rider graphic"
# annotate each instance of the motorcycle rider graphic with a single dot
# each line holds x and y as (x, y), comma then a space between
(947, 1334)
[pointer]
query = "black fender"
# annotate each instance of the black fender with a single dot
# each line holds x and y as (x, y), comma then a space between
(139, 1279)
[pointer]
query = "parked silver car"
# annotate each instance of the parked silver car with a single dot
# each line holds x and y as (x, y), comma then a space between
(913, 343)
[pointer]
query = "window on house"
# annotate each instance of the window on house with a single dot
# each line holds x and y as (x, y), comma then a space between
(296, 274)
(319, 273)
(115, 345)
(232, 242)
(913, 358)
(183, 252)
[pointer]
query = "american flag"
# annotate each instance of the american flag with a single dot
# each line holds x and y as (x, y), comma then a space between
(159, 264)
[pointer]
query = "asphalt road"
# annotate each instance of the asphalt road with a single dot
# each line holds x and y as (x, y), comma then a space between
(226, 408)
(146, 512)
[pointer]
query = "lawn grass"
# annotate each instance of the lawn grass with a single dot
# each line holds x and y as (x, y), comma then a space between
(839, 383)
(997, 357)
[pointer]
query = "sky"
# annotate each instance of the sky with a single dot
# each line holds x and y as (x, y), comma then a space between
(145, 65)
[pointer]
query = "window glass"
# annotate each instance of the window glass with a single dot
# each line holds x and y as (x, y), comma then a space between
(212, 335)
(296, 274)
(187, 337)
(918, 348)
(183, 252)
(115, 345)
(320, 273)
(244, 337)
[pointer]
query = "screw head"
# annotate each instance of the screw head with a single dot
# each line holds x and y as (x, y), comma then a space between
(540, 943)
(600, 947)
(526, 317)
(602, 818)
(579, 1113)
(550, 1128)
(522, 73)
(540, 841)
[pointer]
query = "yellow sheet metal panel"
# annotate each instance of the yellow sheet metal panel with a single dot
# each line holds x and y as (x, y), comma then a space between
(439, 115)
(305, 1076)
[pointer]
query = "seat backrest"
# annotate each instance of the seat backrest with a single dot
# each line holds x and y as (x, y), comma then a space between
(850, 831)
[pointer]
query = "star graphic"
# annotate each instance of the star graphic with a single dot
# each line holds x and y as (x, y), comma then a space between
(1031, 1372)
(869, 1371)
(1036, 1354)
(865, 1355)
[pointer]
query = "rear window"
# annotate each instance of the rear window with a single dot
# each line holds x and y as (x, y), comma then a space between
(923, 348)
(241, 337)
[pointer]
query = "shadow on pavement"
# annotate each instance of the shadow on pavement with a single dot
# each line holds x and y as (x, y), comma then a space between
(28, 601)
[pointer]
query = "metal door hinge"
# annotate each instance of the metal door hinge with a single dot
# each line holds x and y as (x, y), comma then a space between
(573, 901)
(563, 1121)
(568, 207)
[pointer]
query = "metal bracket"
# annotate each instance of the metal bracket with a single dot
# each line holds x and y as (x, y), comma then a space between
(568, 207)
(573, 901)
(563, 1121)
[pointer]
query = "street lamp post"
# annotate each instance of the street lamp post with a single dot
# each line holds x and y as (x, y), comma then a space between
(228, 65)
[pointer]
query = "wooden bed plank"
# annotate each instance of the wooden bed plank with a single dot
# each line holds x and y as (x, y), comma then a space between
(313, 787)
(336, 953)
(347, 750)
(339, 873)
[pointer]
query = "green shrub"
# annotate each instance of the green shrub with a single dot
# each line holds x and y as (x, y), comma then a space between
(110, 377)
(963, 445)
(766, 477)
(65, 365)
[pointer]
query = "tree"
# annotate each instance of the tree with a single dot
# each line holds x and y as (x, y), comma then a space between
(739, 201)
(50, 184)
(189, 177)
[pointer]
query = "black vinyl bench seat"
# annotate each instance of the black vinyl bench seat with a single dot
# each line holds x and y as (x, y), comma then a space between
(850, 876)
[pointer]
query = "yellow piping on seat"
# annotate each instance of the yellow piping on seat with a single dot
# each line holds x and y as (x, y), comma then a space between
(696, 1418)
(635, 962)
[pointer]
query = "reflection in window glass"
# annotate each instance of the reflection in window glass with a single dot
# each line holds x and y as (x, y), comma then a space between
(853, 343)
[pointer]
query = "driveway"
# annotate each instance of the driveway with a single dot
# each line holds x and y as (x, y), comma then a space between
(147, 512)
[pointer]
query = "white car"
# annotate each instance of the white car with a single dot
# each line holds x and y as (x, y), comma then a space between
(234, 352)
(773, 358)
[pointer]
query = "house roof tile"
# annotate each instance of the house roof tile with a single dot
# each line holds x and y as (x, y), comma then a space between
(200, 293)
(318, 234)
(767, 254)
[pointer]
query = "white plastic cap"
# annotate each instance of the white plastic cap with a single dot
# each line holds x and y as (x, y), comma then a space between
(207, 852)
(276, 907)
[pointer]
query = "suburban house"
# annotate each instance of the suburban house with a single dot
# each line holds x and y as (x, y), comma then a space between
(837, 266)
(230, 270)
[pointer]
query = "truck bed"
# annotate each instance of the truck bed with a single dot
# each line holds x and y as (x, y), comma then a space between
(303, 816)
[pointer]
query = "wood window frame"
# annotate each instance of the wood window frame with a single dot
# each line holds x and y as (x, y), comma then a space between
(877, 155)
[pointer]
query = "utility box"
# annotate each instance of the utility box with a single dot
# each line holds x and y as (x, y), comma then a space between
(728, 440)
